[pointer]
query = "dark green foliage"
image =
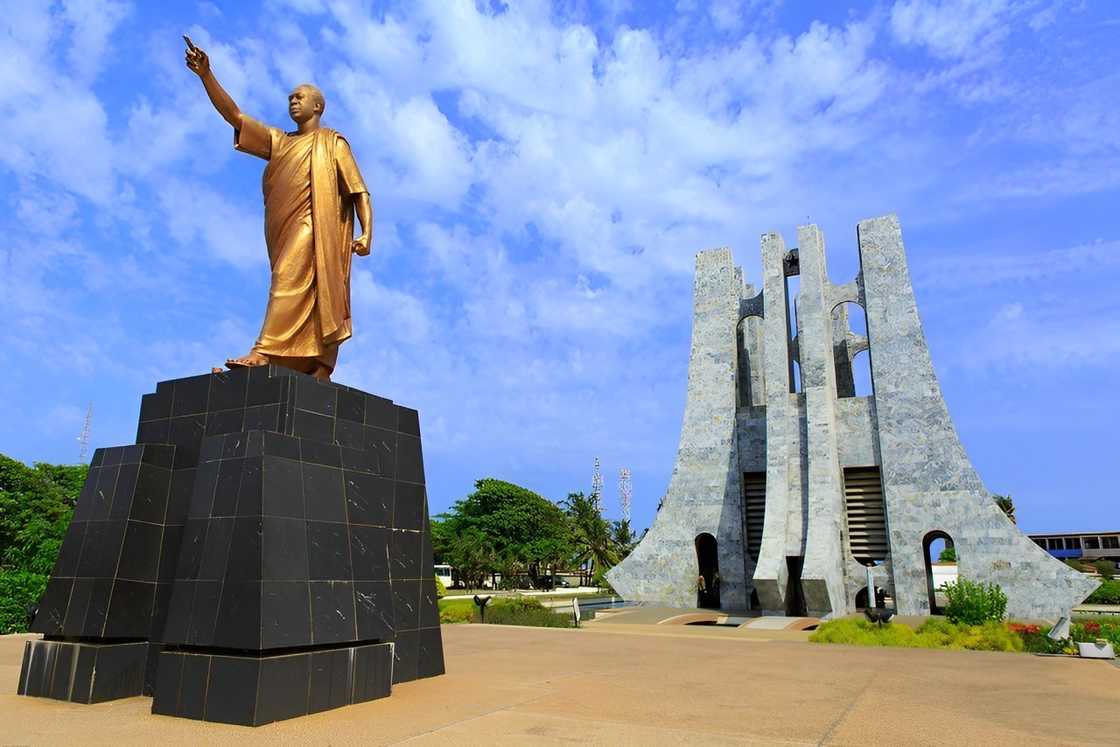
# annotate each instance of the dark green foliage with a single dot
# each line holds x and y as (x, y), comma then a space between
(1006, 505)
(36, 504)
(624, 539)
(948, 555)
(525, 611)
(1106, 593)
(974, 603)
(1039, 643)
(19, 590)
(591, 533)
(504, 525)
(1107, 569)
(1088, 631)
(506, 528)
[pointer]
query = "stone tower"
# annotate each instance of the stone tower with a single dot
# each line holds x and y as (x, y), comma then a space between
(784, 491)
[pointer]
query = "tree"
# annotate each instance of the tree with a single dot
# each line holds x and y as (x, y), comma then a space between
(472, 554)
(948, 555)
(1106, 568)
(36, 504)
(441, 539)
(508, 525)
(591, 533)
(624, 539)
(1005, 504)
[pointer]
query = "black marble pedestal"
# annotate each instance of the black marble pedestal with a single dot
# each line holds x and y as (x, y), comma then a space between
(264, 522)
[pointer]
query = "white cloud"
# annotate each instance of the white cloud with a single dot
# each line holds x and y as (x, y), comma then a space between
(986, 270)
(951, 29)
(542, 180)
(92, 22)
(1030, 337)
(197, 216)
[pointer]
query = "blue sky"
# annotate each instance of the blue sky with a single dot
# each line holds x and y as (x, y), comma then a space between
(543, 176)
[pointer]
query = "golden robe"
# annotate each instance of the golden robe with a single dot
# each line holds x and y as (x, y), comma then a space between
(309, 186)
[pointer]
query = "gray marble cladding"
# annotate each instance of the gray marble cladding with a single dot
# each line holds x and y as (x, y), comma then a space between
(749, 410)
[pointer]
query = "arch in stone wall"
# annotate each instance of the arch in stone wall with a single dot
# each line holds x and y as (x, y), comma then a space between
(707, 568)
(927, 543)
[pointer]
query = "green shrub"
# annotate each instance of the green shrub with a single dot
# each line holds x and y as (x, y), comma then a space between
(854, 632)
(1088, 631)
(991, 636)
(937, 632)
(441, 590)
(1106, 568)
(1036, 640)
(1106, 593)
(456, 614)
(948, 555)
(18, 591)
(525, 611)
(933, 633)
(974, 603)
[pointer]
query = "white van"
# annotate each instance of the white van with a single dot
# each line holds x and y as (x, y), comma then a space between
(443, 573)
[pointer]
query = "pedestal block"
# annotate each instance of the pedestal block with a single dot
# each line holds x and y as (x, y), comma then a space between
(252, 691)
(261, 515)
(82, 672)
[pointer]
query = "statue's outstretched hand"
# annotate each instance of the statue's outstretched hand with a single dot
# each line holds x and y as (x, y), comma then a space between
(197, 60)
(361, 246)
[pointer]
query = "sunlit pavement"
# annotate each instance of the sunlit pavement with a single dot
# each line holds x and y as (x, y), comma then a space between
(653, 684)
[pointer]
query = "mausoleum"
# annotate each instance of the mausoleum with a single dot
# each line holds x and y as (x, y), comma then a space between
(787, 486)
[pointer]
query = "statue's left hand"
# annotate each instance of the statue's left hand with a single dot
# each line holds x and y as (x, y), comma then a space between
(361, 245)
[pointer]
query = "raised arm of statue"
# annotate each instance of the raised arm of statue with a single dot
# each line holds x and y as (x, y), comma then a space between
(199, 63)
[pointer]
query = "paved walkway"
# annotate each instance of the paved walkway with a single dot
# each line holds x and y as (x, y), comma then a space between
(615, 684)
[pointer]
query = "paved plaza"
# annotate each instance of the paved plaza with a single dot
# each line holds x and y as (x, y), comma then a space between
(624, 683)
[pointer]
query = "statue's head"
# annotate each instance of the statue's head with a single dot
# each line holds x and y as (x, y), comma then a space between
(304, 102)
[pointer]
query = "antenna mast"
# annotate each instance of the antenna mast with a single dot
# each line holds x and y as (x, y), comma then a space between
(625, 491)
(83, 437)
(597, 485)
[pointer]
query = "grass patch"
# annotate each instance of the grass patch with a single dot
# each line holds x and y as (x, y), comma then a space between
(504, 611)
(1107, 593)
(934, 633)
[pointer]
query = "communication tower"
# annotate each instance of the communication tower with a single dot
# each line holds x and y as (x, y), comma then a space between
(625, 491)
(597, 485)
(83, 437)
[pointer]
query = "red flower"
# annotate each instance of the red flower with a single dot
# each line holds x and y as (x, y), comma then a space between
(1022, 629)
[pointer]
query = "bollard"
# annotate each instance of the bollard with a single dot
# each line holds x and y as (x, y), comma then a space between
(481, 602)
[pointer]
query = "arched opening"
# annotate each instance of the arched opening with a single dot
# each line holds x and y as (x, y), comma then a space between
(853, 368)
(861, 374)
(752, 391)
(793, 286)
(941, 567)
(707, 579)
(861, 598)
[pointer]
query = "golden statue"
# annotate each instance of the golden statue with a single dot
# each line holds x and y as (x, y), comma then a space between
(312, 189)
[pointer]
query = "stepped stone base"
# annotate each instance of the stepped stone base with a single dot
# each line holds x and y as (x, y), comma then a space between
(83, 672)
(263, 551)
(252, 691)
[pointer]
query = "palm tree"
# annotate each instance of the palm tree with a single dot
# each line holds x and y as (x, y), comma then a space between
(1005, 504)
(591, 533)
(624, 539)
